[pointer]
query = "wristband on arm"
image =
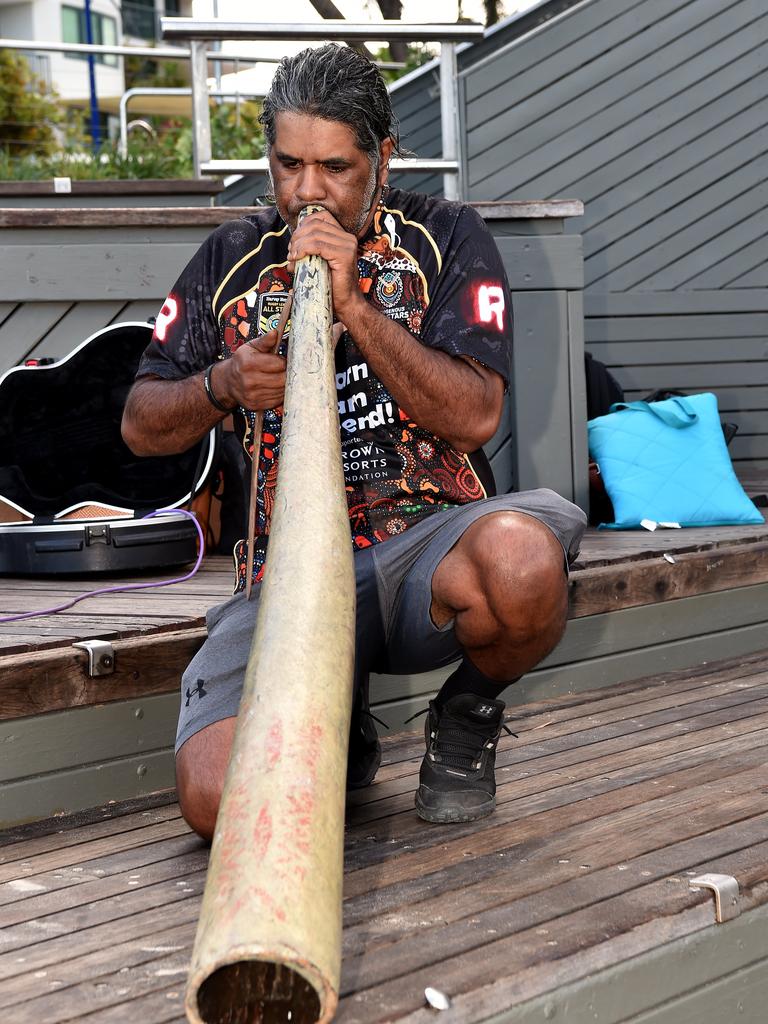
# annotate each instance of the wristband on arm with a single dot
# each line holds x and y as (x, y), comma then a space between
(209, 392)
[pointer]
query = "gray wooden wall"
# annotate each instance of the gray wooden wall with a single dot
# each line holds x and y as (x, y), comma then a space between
(654, 113)
(416, 96)
(65, 274)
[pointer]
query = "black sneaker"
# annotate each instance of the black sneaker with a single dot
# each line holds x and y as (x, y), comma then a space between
(456, 781)
(364, 755)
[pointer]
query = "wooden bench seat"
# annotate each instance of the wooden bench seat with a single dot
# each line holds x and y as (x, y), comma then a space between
(640, 603)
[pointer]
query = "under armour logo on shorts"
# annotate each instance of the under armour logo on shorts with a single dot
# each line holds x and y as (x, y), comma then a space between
(197, 692)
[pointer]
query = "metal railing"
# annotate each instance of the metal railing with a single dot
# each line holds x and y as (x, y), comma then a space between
(41, 67)
(195, 29)
(261, 165)
(129, 94)
(199, 32)
(160, 52)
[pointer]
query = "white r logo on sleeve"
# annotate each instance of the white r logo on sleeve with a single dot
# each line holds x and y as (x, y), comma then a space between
(165, 317)
(491, 305)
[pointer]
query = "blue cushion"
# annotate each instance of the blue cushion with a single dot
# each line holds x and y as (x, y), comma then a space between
(668, 462)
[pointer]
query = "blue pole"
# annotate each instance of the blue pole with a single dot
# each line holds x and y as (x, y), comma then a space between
(95, 126)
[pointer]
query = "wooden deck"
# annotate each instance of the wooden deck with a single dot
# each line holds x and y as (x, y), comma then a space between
(641, 603)
(609, 802)
(615, 570)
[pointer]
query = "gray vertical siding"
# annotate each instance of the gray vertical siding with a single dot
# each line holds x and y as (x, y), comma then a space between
(416, 97)
(68, 275)
(654, 113)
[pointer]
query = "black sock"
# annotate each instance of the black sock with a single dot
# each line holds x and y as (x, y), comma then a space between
(469, 679)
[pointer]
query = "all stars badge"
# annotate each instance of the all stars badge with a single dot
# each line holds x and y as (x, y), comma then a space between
(270, 307)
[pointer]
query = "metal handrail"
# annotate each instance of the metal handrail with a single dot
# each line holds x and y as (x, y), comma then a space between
(170, 52)
(331, 28)
(198, 32)
(169, 91)
(160, 52)
(261, 166)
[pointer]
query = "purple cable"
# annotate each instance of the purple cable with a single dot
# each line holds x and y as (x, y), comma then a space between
(126, 586)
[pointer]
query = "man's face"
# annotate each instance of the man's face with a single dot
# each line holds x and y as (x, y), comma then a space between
(317, 161)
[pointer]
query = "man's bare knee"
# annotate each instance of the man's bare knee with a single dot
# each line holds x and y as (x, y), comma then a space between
(520, 567)
(505, 586)
(201, 766)
(501, 555)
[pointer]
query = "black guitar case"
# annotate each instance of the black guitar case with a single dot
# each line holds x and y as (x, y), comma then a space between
(72, 494)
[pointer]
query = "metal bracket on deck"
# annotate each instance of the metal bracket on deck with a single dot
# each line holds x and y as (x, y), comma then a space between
(726, 890)
(101, 656)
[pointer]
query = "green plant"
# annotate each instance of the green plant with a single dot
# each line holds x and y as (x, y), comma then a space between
(167, 153)
(147, 71)
(28, 115)
(418, 54)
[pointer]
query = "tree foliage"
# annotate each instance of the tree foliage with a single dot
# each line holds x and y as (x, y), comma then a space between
(147, 71)
(165, 153)
(392, 10)
(493, 11)
(28, 115)
(41, 138)
(328, 10)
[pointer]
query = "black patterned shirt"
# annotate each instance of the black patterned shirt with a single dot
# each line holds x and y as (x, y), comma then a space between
(429, 264)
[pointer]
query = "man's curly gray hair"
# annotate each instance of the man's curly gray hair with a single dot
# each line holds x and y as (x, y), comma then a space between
(334, 83)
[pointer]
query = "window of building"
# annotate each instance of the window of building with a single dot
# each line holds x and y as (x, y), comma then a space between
(141, 17)
(103, 31)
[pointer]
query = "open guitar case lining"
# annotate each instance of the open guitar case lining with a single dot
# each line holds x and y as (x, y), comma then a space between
(72, 494)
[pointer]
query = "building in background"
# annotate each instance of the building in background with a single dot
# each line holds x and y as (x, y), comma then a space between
(141, 18)
(112, 23)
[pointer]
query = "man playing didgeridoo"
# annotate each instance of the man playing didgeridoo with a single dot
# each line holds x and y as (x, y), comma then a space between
(445, 571)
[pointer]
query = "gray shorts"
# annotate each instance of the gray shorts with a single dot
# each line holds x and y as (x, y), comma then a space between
(395, 631)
